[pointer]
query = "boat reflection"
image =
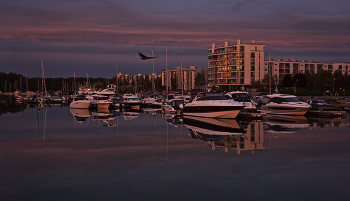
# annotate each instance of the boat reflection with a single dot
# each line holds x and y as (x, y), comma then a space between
(131, 114)
(105, 117)
(283, 123)
(226, 133)
(80, 115)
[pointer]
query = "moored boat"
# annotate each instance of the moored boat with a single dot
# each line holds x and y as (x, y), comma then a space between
(131, 101)
(213, 105)
(80, 103)
(284, 104)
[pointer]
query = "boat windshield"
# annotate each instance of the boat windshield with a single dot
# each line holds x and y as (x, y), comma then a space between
(319, 101)
(291, 100)
(241, 97)
(132, 99)
(280, 100)
(204, 98)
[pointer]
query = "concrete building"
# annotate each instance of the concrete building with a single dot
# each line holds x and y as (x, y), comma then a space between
(278, 69)
(184, 79)
(234, 66)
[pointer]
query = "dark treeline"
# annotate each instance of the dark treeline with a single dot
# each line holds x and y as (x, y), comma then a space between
(336, 83)
(10, 82)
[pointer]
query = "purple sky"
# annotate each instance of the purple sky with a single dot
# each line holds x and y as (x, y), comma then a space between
(93, 36)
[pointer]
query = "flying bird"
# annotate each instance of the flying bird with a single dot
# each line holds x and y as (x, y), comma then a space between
(144, 57)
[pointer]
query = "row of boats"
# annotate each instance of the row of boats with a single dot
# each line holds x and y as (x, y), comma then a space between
(232, 104)
(210, 104)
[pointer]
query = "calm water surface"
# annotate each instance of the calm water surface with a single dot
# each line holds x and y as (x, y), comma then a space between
(50, 154)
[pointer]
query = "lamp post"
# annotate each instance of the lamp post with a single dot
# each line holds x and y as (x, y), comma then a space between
(333, 85)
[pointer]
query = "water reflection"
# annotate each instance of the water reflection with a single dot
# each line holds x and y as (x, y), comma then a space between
(92, 156)
(227, 133)
(131, 114)
(282, 123)
(80, 115)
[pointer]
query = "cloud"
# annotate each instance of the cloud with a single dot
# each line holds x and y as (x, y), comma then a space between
(188, 28)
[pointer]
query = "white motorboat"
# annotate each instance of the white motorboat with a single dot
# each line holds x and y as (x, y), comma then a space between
(101, 102)
(108, 91)
(284, 104)
(242, 97)
(173, 106)
(131, 101)
(80, 103)
(149, 100)
(213, 105)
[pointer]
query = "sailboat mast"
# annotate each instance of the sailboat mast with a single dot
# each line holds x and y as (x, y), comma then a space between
(27, 81)
(153, 88)
(116, 75)
(182, 81)
(166, 69)
(75, 85)
(42, 77)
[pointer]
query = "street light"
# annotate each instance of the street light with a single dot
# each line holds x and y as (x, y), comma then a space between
(333, 85)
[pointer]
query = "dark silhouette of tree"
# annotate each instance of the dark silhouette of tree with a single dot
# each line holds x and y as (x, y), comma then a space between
(287, 81)
(300, 80)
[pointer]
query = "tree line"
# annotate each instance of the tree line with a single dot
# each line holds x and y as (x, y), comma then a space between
(10, 82)
(308, 83)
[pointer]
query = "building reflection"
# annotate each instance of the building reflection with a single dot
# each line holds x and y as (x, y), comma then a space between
(229, 134)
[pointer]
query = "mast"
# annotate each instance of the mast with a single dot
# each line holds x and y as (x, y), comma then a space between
(27, 82)
(153, 88)
(270, 73)
(42, 77)
(75, 85)
(116, 74)
(37, 77)
(182, 81)
(166, 69)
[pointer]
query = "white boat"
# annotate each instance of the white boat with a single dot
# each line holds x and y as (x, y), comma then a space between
(186, 98)
(242, 97)
(284, 104)
(131, 101)
(149, 100)
(80, 103)
(173, 106)
(100, 101)
(108, 91)
(213, 105)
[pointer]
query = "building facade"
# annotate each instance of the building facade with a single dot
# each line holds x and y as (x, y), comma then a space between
(234, 66)
(183, 79)
(278, 69)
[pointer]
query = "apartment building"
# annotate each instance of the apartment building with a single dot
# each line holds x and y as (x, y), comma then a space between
(280, 68)
(182, 79)
(233, 66)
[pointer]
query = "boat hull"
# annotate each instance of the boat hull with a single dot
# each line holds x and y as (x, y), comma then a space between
(280, 109)
(212, 111)
(80, 104)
